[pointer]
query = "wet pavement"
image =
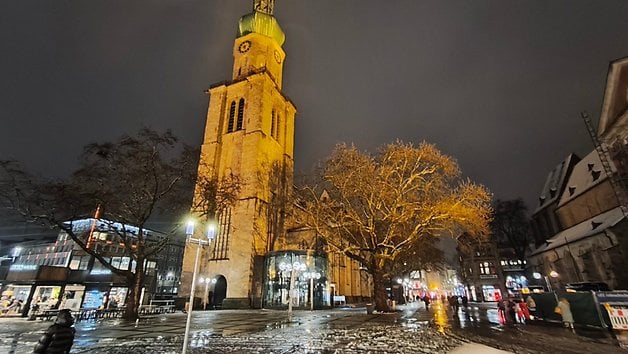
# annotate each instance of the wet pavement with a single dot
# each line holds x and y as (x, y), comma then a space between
(410, 330)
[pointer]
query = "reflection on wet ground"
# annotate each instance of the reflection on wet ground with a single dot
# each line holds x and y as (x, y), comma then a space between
(412, 329)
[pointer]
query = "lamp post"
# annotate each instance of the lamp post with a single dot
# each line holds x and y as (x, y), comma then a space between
(311, 276)
(206, 281)
(189, 232)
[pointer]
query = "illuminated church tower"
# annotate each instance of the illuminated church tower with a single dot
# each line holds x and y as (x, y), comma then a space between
(249, 133)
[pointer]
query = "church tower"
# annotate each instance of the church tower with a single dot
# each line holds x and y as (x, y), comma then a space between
(249, 133)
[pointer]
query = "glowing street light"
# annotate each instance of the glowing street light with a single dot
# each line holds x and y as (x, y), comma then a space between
(189, 232)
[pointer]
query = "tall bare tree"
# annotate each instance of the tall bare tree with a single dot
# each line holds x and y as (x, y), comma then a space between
(379, 205)
(510, 225)
(130, 181)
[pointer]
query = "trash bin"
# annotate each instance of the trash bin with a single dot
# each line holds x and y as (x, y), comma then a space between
(370, 308)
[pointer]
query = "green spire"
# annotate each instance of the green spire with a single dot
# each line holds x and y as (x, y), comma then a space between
(261, 21)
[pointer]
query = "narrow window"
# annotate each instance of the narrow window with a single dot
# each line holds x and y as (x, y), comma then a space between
(221, 243)
(240, 114)
(231, 117)
(278, 128)
(272, 124)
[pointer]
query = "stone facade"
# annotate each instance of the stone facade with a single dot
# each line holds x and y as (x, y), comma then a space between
(249, 134)
(592, 242)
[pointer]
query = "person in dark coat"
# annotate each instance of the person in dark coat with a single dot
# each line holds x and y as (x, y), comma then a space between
(59, 337)
(426, 300)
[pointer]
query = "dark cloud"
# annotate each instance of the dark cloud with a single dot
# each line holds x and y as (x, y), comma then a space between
(497, 84)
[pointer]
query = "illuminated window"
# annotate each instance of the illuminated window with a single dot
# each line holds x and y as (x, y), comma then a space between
(231, 117)
(240, 114)
(79, 263)
(487, 268)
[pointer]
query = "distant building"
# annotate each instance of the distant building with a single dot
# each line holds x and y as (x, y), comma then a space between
(61, 274)
(480, 270)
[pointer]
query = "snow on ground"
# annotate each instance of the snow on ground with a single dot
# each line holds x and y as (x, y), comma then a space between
(366, 339)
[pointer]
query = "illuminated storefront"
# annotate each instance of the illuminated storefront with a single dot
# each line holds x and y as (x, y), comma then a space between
(310, 280)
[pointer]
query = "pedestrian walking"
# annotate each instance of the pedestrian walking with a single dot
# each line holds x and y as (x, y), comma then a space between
(564, 310)
(59, 337)
(511, 312)
(501, 312)
(531, 305)
(426, 300)
(524, 312)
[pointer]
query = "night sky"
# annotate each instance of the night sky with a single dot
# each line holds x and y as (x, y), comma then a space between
(497, 84)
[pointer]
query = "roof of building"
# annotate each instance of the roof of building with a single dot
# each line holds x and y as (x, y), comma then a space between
(587, 228)
(108, 225)
(555, 182)
(586, 174)
(615, 96)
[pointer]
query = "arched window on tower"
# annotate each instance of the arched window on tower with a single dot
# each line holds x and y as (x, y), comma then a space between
(231, 117)
(240, 114)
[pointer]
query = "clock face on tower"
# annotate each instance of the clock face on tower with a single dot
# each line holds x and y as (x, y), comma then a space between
(244, 47)
(277, 57)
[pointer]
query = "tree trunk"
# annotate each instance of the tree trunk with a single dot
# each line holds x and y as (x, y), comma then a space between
(379, 291)
(135, 292)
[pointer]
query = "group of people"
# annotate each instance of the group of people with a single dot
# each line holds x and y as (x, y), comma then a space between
(512, 311)
(10, 305)
(454, 301)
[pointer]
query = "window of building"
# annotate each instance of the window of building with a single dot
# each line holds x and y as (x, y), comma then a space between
(232, 110)
(124, 263)
(273, 124)
(240, 114)
(278, 127)
(221, 243)
(79, 262)
(487, 268)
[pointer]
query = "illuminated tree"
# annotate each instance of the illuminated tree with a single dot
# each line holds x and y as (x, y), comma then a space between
(130, 182)
(376, 207)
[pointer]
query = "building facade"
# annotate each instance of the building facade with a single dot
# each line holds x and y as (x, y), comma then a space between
(60, 274)
(257, 254)
(591, 244)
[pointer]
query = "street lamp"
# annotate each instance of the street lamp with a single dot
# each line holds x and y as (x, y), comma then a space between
(293, 267)
(189, 232)
(207, 281)
(311, 276)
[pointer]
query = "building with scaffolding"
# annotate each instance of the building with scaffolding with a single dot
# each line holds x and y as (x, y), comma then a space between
(585, 203)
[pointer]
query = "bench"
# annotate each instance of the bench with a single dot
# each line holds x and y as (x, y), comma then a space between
(340, 300)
